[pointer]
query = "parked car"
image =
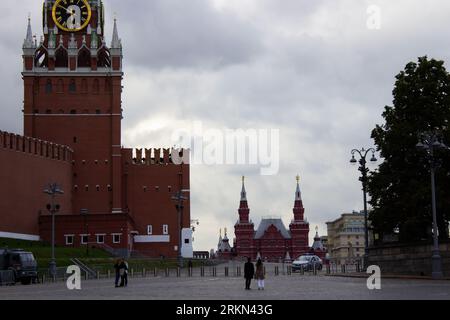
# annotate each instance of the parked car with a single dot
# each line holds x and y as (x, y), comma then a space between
(307, 263)
(22, 263)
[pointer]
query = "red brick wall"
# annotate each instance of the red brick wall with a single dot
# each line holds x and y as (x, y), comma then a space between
(148, 191)
(26, 167)
(87, 120)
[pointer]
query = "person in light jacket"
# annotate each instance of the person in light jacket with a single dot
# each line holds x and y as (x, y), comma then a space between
(259, 274)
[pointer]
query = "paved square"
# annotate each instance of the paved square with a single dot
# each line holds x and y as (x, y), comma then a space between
(295, 287)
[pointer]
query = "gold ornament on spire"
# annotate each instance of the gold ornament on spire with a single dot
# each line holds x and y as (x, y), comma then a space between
(298, 178)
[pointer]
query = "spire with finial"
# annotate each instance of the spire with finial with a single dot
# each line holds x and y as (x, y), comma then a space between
(298, 193)
(243, 192)
(116, 43)
(29, 43)
(299, 211)
(244, 211)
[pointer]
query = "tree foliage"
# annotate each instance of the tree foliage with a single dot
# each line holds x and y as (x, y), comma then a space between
(400, 189)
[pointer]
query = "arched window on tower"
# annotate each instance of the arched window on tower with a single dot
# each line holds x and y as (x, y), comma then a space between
(104, 59)
(41, 58)
(61, 58)
(72, 86)
(48, 86)
(84, 58)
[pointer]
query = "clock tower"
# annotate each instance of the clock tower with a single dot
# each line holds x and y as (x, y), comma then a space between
(72, 97)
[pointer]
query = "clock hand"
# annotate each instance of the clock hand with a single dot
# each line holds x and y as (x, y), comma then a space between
(67, 10)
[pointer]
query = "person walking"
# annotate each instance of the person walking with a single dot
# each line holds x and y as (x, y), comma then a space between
(123, 269)
(117, 270)
(259, 274)
(249, 272)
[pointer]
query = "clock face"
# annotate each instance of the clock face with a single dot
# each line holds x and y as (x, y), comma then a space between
(71, 15)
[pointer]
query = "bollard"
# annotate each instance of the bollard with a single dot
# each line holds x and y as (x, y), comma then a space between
(202, 271)
(214, 272)
(132, 273)
(144, 273)
(43, 278)
(302, 271)
(178, 272)
(109, 274)
(167, 272)
(190, 272)
(226, 271)
(343, 268)
(98, 275)
(289, 270)
(276, 271)
(155, 272)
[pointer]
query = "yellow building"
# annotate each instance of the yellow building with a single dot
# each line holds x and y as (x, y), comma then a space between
(346, 238)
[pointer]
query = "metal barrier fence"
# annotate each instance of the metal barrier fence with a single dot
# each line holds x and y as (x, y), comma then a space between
(7, 278)
(227, 271)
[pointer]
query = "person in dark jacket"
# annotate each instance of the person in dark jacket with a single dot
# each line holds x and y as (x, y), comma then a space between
(249, 272)
(123, 269)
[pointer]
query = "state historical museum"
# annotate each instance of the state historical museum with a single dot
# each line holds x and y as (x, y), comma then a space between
(114, 197)
(272, 241)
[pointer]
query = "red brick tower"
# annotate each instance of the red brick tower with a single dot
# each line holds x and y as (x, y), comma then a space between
(244, 229)
(73, 85)
(299, 227)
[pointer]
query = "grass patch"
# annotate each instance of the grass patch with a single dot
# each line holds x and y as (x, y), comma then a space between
(43, 252)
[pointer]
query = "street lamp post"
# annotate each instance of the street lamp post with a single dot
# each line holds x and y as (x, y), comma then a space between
(53, 190)
(364, 172)
(429, 142)
(179, 198)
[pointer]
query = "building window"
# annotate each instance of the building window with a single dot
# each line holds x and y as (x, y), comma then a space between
(117, 238)
(84, 239)
(166, 229)
(48, 86)
(186, 241)
(69, 240)
(149, 229)
(72, 86)
(100, 238)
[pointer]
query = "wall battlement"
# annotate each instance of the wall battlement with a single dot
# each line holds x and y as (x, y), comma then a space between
(154, 156)
(36, 147)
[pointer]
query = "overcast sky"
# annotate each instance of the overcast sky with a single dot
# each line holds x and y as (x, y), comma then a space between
(312, 69)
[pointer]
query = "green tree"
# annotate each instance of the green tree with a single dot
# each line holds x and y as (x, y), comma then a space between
(400, 189)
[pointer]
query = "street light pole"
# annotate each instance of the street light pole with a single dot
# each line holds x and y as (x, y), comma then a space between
(428, 142)
(364, 172)
(53, 190)
(179, 198)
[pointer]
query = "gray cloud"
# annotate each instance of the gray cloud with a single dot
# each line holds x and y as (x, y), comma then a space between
(309, 68)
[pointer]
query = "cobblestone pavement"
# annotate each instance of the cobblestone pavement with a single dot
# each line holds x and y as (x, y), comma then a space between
(295, 287)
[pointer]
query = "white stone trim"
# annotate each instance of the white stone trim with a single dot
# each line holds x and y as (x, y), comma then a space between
(151, 239)
(19, 236)
(72, 115)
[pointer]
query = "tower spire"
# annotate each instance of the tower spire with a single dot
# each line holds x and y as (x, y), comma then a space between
(29, 43)
(298, 192)
(244, 211)
(116, 43)
(299, 211)
(243, 192)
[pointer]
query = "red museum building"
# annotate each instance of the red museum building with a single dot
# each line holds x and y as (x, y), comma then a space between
(271, 241)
